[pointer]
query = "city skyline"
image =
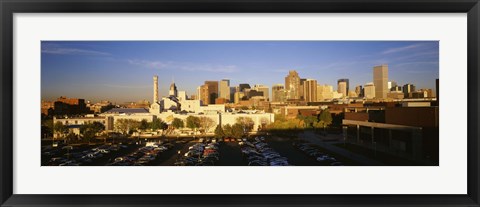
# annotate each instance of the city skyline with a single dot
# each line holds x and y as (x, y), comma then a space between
(122, 71)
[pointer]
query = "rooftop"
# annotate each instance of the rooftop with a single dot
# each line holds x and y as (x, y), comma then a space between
(127, 111)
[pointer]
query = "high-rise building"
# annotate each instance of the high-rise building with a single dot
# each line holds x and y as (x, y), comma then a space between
(199, 93)
(244, 86)
(369, 91)
(238, 96)
(278, 93)
(225, 89)
(310, 90)
(155, 89)
(408, 89)
(380, 81)
(342, 87)
(292, 85)
(233, 90)
(204, 94)
(301, 93)
(324, 92)
(212, 91)
(352, 94)
(359, 90)
(396, 88)
(391, 84)
(264, 89)
(254, 93)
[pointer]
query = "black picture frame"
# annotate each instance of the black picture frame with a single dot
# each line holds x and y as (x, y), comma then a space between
(10, 7)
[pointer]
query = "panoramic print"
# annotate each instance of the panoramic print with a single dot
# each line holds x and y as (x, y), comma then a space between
(240, 103)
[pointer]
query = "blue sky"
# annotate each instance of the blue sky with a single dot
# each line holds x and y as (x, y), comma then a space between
(122, 71)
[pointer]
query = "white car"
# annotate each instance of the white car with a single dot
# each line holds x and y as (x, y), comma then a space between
(104, 151)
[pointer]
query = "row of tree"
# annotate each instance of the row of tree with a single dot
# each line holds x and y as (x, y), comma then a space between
(322, 120)
(203, 124)
(242, 126)
(128, 126)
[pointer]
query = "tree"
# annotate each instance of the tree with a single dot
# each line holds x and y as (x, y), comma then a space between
(319, 124)
(89, 131)
(206, 123)
(219, 132)
(263, 123)
(237, 131)
(227, 130)
(282, 123)
(326, 117)
(157, 124)
(97, 127)
(60, 129)
(177, 123)
(143, 124)
(246, 123)
(193, 122)
(47, 128)
(307, 120)
(126, 126)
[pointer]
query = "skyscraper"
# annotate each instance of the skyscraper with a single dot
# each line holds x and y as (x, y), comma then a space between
(380, 80)
(155, 89)
(408, 89)
(310, 90)
(238, 96)
(369, 91)
(324, 92)
(278, 93)
(209, 92)
(264, 89)
(301, 93)
(359, 90)
(204, 95)
(391, 84)
(233, 90)
(225, 89)
(243, 87)
(342, 87)
(292, 85)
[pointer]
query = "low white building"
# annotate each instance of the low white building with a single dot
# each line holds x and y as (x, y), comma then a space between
(137, 114)
(75, 123)
(190, 105)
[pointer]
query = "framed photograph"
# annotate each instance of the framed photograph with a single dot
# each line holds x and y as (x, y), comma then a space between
(239, 103)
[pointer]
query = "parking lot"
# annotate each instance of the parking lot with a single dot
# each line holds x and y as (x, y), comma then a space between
(254, 151)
